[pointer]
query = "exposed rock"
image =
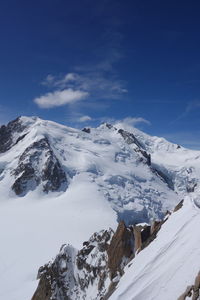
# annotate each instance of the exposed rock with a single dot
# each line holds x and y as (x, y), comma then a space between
(57, 278)
(38, 164)
(73, 273)
(131, 139)
(141, 235)
(166, 178)
(121, 250)
(178, 206)
(86, 129)
(145, 234)
(96, 269)
(191, 187)
(97, 266)
(152, 233)
(109, 126)
(7, 133)
(137, 238)
(192, 291)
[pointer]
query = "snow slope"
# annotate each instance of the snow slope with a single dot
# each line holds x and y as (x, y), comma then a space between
(169, 264)
(118, 169)
(180, 165)
(33, 230)
(107, 178)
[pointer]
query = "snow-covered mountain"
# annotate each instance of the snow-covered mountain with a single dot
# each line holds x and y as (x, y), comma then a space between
(42, 157)
(60, 184)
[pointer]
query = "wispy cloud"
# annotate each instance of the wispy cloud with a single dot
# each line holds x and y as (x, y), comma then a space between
(191, 106)
(60, 98)
(97, 80)
(188, 139)
(131, 121)
(127, 123)
(94, 81)
(84, 119)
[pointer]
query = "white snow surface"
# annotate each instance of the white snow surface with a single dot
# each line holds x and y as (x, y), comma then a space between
(106, 178)
(169, 264)
(176, 162)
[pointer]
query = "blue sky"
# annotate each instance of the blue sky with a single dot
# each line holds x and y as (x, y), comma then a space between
(83, 62)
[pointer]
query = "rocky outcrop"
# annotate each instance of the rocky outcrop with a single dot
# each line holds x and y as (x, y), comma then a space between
(97, 267)
(75, 274)
(131, 139)
(178, 206)
(38, 164)
(94, 271)
(121, 250)
(57, 278)
(192, 291)
(7, 134)
(86, 129)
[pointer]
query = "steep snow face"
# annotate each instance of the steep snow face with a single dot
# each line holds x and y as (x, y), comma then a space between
(180, 166)
(169, 264)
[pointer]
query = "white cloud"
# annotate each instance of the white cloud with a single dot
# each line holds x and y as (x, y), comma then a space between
(134, 121)
(60, 98)
(83, 119)
(130, 122)
(48, 80)
(96, 82)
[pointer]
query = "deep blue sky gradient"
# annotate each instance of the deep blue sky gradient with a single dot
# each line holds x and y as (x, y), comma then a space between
(151, 47)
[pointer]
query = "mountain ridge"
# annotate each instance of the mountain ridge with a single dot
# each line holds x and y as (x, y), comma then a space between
(109, 175)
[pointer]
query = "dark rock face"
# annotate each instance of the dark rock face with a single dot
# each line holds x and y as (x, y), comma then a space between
(131, 139)
(73, 272)
(97, 269)
(86, 129)
(178, 206)
(144, 235)
(98, 266)
(20, 185)
(192, 291)
(57, 279)
(191, 187)
(38, 164)
(7, 132)
(121, 250)
(163, 176)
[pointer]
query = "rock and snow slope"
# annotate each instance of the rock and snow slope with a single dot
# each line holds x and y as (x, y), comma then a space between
(44, 156)
(169, 264)
(60, 184)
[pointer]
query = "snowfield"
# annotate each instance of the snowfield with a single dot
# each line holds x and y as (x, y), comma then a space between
(34, 229)
(108, 179)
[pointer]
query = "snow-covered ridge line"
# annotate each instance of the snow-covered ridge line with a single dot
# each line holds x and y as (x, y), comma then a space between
(94, 271)
(49, 156)
(169, 264)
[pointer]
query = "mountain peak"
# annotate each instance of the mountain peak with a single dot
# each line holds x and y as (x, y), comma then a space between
(60, 184)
